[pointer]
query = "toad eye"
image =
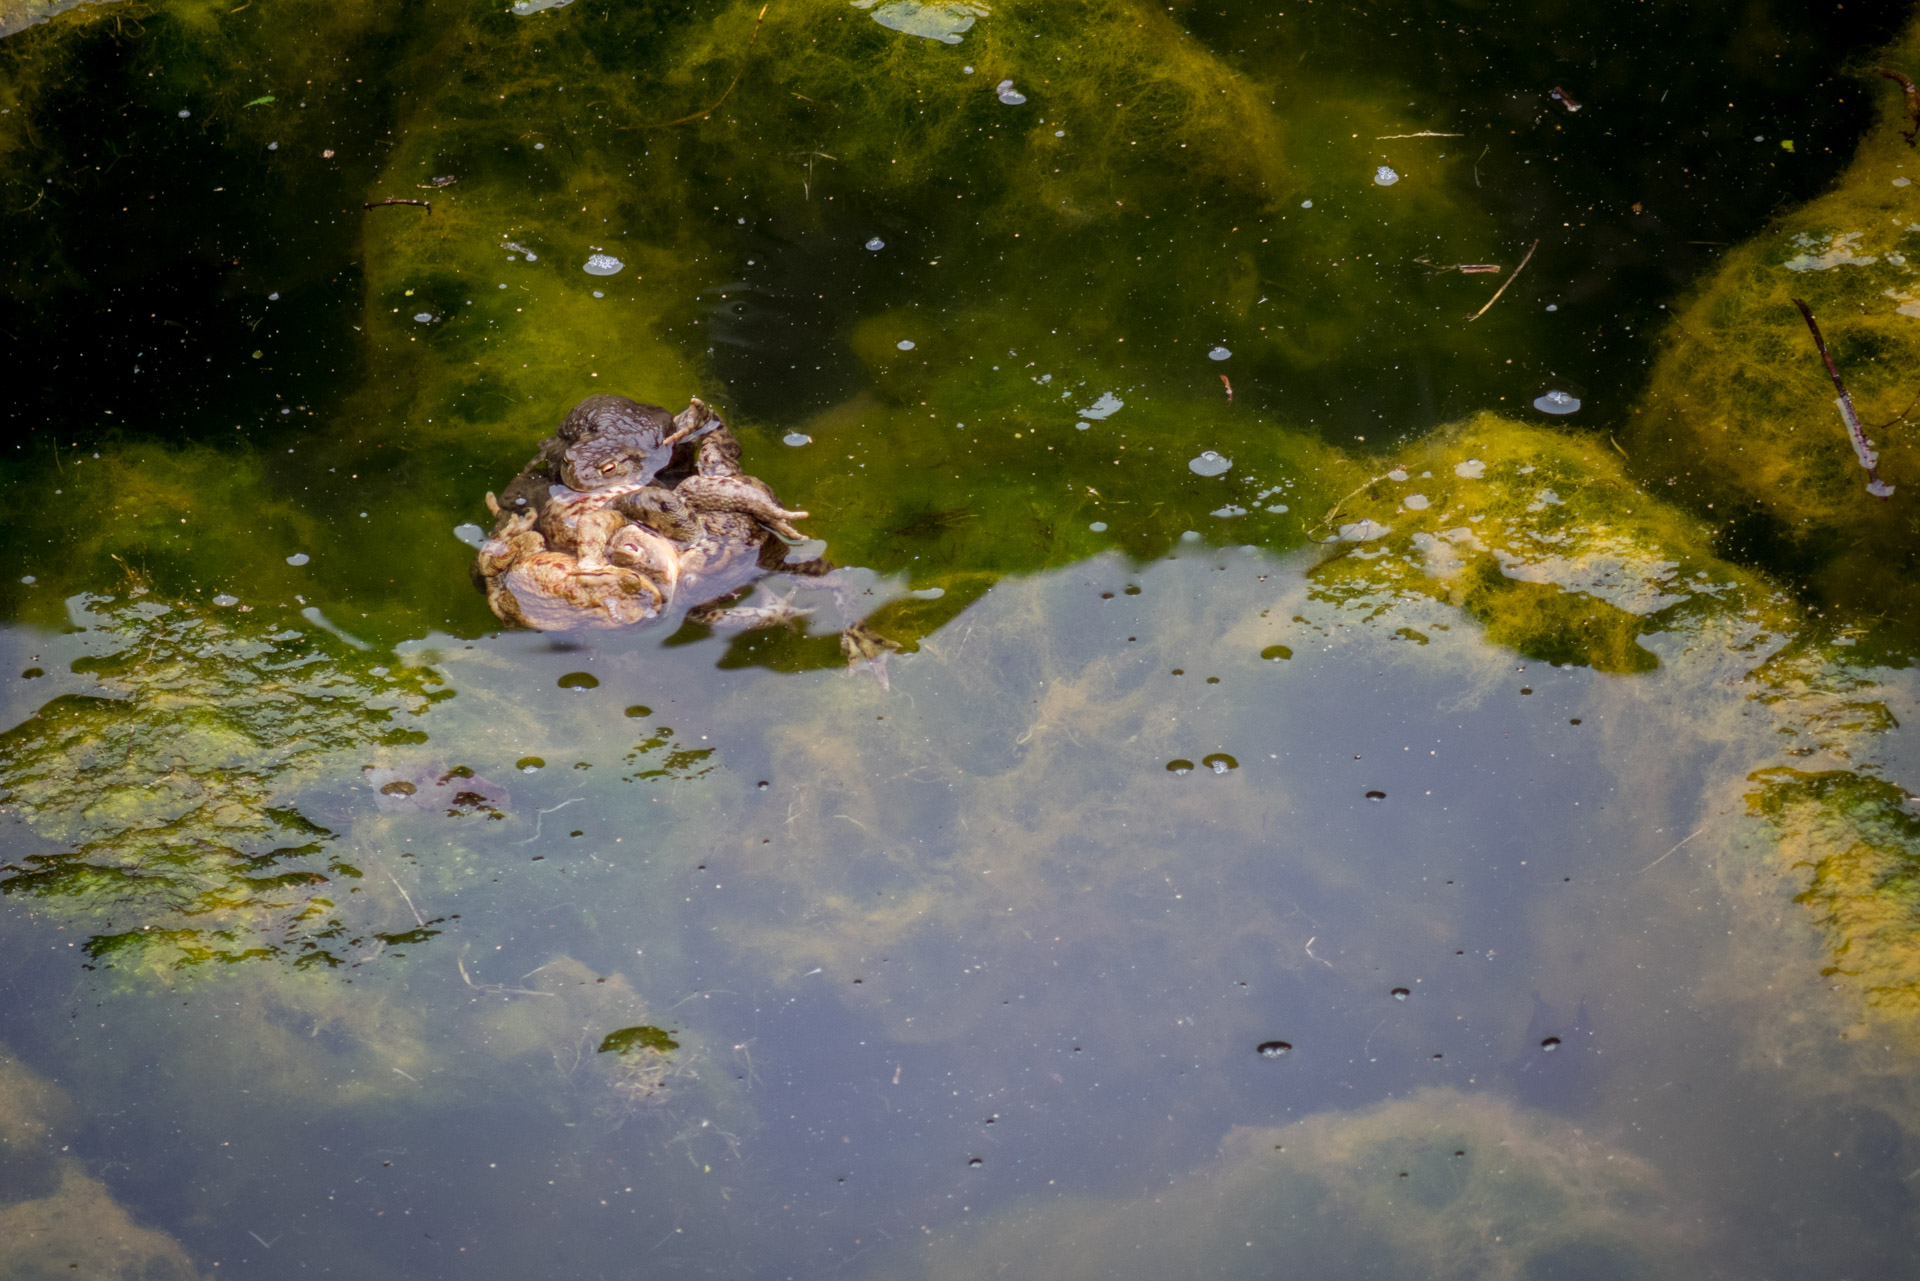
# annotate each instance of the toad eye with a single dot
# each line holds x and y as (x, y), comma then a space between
(607, 468)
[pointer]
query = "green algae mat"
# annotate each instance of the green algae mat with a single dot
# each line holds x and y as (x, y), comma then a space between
(1339, 708)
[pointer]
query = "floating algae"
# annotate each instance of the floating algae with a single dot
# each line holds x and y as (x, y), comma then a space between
(166, 789)
(942, 20)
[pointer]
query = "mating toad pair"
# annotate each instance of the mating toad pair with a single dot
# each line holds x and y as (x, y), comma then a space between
(629, 513)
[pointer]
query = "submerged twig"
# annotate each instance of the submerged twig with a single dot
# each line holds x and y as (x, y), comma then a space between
(1464, 268)
(1663, 858)
(701, 115)
(1565, 99)
(399, 200)
(418, 919)
(1424, 133)
(1228, 386)
(1913, 102)
(1862, 447)
(1505, 284)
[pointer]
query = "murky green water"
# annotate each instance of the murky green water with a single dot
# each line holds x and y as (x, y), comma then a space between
(1322, 814)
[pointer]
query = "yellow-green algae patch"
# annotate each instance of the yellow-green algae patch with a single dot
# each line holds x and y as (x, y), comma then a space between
(1739, 420)
(1441, 1184)
(1547, 541)
(161, 795)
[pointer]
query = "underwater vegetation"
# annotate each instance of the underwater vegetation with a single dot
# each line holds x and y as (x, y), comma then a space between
(55, 1218)
(158, 802)
(1740, 419)
(1442, 1184)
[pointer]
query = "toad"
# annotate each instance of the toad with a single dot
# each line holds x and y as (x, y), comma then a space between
(605, 527)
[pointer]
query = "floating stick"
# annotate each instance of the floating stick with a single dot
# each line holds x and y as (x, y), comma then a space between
(1862, 447)
(1505, 284)
(701, 115)
(1913, 102)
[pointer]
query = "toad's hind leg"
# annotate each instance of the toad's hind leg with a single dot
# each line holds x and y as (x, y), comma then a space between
(743, 495)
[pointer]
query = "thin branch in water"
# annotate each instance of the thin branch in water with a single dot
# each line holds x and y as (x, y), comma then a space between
(399, 200)
(1663, 858)
(418, 919)
(1505, 284)
(1862, 447)
(1899, 417)
(1424, 133)
(701, 115)
(1913, 103)
(1476, 163)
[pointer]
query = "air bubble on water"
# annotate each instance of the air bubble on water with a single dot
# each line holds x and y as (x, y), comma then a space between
(223, 600)
(1059, 133)
(1273, 1049)
(1376, 795)
(1278, 509)
(273, 146)
(274, 297)
(1472, 469)
(579, 680)
(1551, 1044)
(184, 113)
(1098, 527)
(528, 764)
(1384, 177)
(301, 558)
(1228, 512)
(602, 265)
(1274, 653)
(1220, 762)
(28, 579)
(905, 344)
(1400, 994)
(974, 1163)
(1416, 502)
(1398, 473)
(1557, 402)
(1219, 353)
(539, 146)
(1179, 765)
(796, 439)
(876, 244)
(469, 533)
(599, 294)
(1008, 94)
(1190, 536)
(966, 71)
(1306, 204)
(423, 317)
(1363, 531)
(1210, 463)
(1081, 426)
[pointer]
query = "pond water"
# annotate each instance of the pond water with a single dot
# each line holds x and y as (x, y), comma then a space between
(1373, 744)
